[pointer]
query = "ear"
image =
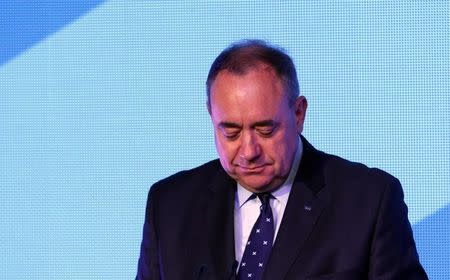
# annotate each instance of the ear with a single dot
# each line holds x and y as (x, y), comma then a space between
(300, 106)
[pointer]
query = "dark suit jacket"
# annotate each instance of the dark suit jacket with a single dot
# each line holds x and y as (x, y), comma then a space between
(343, 220)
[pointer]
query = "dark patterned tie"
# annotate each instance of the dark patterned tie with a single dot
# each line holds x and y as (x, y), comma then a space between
(259, 244)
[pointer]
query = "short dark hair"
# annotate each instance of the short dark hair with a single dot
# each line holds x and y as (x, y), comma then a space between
(242, 56)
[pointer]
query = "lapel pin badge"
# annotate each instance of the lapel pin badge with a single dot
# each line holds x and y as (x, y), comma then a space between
(307, 208)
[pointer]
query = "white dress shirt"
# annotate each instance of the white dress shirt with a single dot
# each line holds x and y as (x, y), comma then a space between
(246, 212)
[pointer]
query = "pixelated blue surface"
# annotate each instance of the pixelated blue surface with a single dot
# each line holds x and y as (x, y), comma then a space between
(26, 22)
(433, 239)
(100, 99)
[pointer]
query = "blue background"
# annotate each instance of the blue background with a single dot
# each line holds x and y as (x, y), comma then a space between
(100, 99)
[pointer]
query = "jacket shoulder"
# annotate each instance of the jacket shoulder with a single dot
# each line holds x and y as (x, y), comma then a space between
(338, 167)
(357, 180)
(187, 181)
(321, 168)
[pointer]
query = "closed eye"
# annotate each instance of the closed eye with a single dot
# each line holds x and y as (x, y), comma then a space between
(231, 133)
(229, 130)
(266, 128)
(265, 131)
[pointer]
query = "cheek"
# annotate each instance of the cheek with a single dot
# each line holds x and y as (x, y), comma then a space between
(280, 151)
(225, 150)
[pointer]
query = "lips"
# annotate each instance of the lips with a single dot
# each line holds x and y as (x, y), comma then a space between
(251, 169)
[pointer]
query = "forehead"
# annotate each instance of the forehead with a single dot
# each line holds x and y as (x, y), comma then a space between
(260, 69)
(256, 78)
(257, 94)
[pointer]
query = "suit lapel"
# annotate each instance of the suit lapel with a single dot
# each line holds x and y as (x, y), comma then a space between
(306, 202)
(219, 225)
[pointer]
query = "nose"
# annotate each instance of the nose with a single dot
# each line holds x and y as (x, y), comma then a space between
(250, 149)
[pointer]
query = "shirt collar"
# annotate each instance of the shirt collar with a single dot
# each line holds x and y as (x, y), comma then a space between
(282, 193)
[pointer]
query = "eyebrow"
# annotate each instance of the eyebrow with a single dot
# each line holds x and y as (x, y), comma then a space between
(229, 125)
(263, 123)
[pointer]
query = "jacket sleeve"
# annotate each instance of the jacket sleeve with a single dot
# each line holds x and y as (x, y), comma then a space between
(393, 251)
(149, 264)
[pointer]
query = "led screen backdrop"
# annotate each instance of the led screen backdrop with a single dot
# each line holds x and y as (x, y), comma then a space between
(100, 99)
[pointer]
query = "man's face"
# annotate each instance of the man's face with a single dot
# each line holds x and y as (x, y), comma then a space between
(256, 131)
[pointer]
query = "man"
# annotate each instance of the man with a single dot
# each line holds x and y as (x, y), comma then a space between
(317, 217)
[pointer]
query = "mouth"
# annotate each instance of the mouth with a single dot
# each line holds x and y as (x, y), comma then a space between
(251, 169)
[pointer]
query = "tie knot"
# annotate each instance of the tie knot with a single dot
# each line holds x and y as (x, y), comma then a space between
(264, 197)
